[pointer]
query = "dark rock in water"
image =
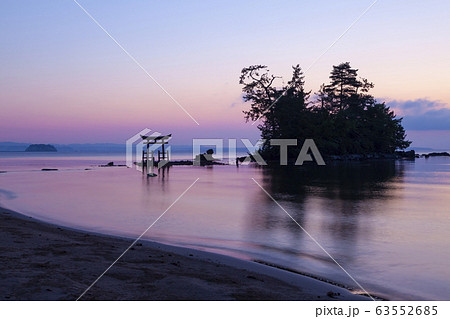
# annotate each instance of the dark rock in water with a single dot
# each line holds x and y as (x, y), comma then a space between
(406, 154)
(206, 159)
(241, 159)
(111, 164)
(183, 162)
(437, 154)
(41, 148)
(201, 159)
(49, 169)
(364, 157)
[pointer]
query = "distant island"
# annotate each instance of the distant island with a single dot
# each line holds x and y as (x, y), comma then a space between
(41, 148)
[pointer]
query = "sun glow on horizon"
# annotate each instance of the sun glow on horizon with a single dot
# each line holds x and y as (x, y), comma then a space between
(64, 79)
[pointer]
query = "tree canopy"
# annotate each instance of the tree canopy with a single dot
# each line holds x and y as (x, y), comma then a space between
(342, 118)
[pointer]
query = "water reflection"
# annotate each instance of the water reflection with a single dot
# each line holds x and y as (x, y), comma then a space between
(352, 181)
(162, 178)
(386, 222)
(333, 203)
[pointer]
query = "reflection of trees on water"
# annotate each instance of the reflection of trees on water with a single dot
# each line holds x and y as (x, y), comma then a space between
(352, 181)
(332, 197)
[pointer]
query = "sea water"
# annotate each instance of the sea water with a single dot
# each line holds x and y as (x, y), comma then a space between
(387, 223)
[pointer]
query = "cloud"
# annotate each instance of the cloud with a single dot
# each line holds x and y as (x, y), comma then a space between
(238, 101)
(422, 114)
(415, 107)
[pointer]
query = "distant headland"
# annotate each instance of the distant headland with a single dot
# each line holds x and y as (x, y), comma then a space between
(41, 148)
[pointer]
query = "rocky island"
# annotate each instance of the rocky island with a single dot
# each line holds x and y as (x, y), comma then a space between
(41, 148)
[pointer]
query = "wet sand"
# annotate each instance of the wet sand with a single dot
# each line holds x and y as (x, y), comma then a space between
(41, 261)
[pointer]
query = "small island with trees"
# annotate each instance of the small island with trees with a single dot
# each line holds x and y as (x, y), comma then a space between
(41, 148)
(342, 118)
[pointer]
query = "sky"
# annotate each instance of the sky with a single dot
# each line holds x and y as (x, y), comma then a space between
(65, 80)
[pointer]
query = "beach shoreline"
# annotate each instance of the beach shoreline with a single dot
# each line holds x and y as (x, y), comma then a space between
(43, 261)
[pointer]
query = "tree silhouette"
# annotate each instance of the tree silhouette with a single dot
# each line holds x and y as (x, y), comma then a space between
(344, 118)
(345, 89)
(284, 110)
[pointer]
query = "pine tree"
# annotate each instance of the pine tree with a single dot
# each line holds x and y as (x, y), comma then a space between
(344, 119)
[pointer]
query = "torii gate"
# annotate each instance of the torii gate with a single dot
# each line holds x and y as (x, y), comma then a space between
(162, 155)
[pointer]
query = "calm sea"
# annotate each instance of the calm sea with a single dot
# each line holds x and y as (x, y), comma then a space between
(386, 222)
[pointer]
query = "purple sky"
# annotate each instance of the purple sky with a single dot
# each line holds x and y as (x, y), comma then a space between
(64, 80)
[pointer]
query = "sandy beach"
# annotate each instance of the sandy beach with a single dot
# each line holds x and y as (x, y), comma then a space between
(41, 261)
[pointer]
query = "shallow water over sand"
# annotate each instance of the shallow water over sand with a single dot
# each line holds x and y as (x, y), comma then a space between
(387, 223)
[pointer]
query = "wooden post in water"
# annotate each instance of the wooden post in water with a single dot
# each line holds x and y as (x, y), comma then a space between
(148, 159)
(152, 167)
